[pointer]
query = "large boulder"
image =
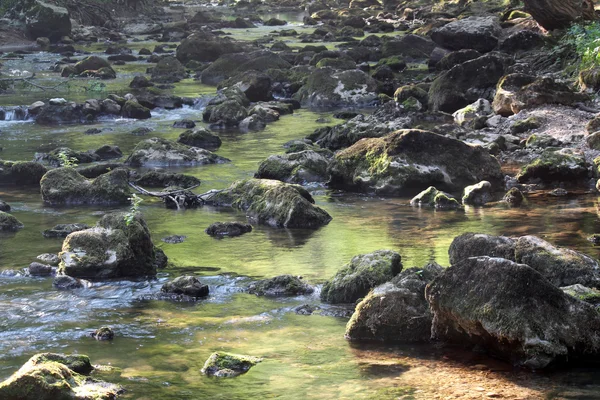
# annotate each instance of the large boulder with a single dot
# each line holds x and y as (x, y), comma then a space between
(9, 223)
(206, 48)
(255, 85)
(66, 186)
(133, 109)
(273, 203)
(49, 376)
(395, 311)
(166, 179)
(168, 70)
(21, 173)
(186, 285)
(158, 152)
(513, 312)
(226, 114)
(283, 285)
(302, 167)
(47, 20)
(118, 247)
(410, 46)
(412, 159)
(224, 68)
(91, 63)
(467, 82)
(364, 272)
(478, 33)
(326, 88)
(479, 244)
(200, 137)
(555, 166)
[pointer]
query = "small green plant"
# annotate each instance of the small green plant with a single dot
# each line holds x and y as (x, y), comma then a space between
(133, 209)
(95, 87)
(66, 161)
(585, 38)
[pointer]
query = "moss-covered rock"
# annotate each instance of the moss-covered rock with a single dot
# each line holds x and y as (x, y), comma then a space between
(303, 167)
(283, 285)
(186, 285)
(479, 244)
(166, 179)
(513, 312)
(409, 46)
(364, 272)
(225, 365)
(91, 63)
(589, 79)
(524, 125)
(478, 194)
(66, 186)
(273, 203)
(412, 159)
(434, 198)
(589, 295)
(133, 109)
(206, 48)
(168, 70)
(158, 152)
(47, 20)
(200, 137)
(228, 229)
(478, 33)
(474, 115)
(112, 249)
(395, 311)
(256, 85)
(404, 93)
(22, 173)
(9, 223)
(103, 333)
(63, 230)
(49, 376)
(514, 197)
(555, 166)
(227, 114)
(456, 57)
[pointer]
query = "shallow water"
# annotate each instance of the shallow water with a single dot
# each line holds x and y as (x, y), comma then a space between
(161, 345)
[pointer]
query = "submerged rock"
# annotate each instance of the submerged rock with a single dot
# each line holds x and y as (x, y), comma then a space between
(302, 167)
(514, 197)
(64, 282)
(112, 249)
(225, 365)
(231, 229)
(9, 223)
(63, 230)
(364, 272)
(411, 159)
(283, 285)
(166, 179)
(49, 376)
(66, 186)
(103, 333)
(273, 203)
(187, 286)
(174, 239)
(39, 269)
(4, 206)
(395, 311)
(513, 312)
(160, 152)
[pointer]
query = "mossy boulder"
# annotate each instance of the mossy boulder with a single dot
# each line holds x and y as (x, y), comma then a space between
(283, 285)
(47, 20)
(409, 46)
(63, 230)
(524, 125)
(166, 179)
(49, 376)
(302, 167)
(411, 159)
(395, 311)
(66, 186)
(226, 114)
(103, 333)
(206, 48)
(255, 85)
(340, 63)
(478, 194)
(478, 33)
(168, 70)
(474, 115)
(133, 109)
(555, 166)
(514, 197)
(273, 203)
(456, 57)
(228, 229)
(479, 244)
(434, 198)
(326, 88)
(186, 285)
(513, 312)
(404, 93)
(226, 365)
(158, 152)
(364, 272)
(112, 249)
(9, 223)
(589, 79)
(91, 65)
(200, 137)
(589, 295)
(22, 173)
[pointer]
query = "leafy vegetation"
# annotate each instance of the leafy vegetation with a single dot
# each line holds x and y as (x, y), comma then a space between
(66, 161)
(585, 38)
(6, 5)
(134, 209)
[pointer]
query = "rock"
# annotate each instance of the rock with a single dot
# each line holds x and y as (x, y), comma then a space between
(273, 203)
(255, 85)
(4, 206)
(275, 22)
(69, 113)
(562, 267)
(410, 46)
(63, 230)
(200, 137)
(166, 179)
(184, 124)
(205, 48)
(227, 114)
(395, 311)
(456, 57)
(168, 70)
(108, 152)
(111, 107)
(524, 125)
(38, 269)
(103, 333)
(478, 244)
(8, 223)
(434, 198)
(283, 285)
(555, 166)
(143, 131)
(521, 41)
(364, 272)
(226, 365)
(140, 82)
(230, 229)
(49, 258)
(133, 109)
(158, 152)
(474, 115)
(112, 249)
(187, 286)
(303, 167)
(466, 82)
(252, 123)
(478, 194)
(514, 197)
(63, 282)
(411, 159)
(49, 376)
(66, 186)
(513, 312)
(47, 20)
(223, 68)
(478, 33)
(174, 239)
(91, 63)
(325, 88)
(583, 293)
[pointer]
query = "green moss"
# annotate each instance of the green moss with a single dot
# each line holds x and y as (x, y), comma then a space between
(518, 14)
(9, 223)
(227, 364)
(283, 285)
(525, 125)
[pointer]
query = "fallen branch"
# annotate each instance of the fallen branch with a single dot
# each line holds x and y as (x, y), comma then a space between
(27, 80)
(180, 198)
